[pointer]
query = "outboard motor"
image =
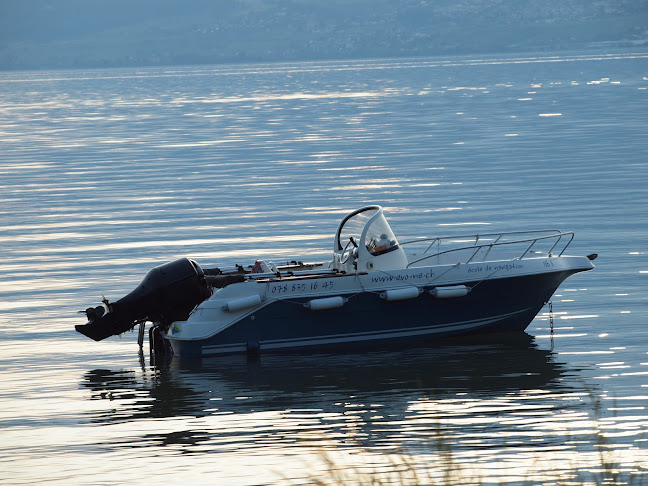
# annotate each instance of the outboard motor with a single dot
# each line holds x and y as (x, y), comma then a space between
(168, 293)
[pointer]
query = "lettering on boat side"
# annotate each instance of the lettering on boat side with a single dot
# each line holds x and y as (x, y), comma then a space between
(328, 285)
(403, 278)
(286, 288)
(507, 267)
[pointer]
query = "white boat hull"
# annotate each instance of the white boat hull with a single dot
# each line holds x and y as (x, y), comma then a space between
(500, 296)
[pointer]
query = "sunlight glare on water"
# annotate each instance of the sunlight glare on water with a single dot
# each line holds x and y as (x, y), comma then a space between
(105, 174)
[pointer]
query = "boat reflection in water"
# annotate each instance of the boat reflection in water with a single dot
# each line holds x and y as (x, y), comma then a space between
(379, 398)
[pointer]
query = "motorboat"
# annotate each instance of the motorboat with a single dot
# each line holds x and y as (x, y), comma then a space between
(375, 290)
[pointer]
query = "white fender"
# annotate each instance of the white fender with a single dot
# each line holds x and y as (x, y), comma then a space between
(241, 303)
(326, 303)
(401, 294)
(450, 291)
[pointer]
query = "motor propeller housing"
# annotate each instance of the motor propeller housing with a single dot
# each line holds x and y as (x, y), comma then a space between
(167, 293)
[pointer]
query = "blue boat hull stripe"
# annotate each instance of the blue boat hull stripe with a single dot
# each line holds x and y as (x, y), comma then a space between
(360, 337)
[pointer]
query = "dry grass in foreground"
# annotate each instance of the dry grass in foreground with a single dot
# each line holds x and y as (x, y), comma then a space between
(439, 464)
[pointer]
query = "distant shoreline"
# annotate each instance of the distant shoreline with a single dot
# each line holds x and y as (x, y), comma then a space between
(608, 48)
(69, 34)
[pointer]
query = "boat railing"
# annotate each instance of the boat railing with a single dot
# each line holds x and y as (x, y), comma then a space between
(295, 273)
(478, 247)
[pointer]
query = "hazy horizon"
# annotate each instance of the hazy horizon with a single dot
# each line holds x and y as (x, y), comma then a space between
(41, 34)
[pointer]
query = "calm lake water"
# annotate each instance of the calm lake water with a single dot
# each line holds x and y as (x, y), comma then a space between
(107, 173)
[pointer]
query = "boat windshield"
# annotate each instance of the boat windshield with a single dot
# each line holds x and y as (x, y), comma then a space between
(379, 238)
(353, 224)
(368, 223)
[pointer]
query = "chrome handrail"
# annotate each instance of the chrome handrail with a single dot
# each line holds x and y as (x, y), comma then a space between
(498, 237)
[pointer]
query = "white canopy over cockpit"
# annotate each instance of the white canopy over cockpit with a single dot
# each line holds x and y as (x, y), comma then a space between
(364, 241)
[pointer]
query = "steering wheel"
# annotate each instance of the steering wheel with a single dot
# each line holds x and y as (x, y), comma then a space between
(349, 250)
